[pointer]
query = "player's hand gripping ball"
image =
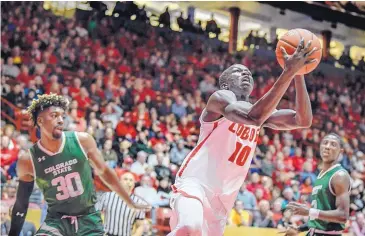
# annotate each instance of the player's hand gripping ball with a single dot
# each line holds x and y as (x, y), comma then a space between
(290, 44)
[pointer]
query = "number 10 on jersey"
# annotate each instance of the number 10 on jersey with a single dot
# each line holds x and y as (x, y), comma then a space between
(240, 154)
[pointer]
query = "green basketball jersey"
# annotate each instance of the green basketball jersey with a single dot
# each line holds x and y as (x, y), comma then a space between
(64, 177)
(323, 198)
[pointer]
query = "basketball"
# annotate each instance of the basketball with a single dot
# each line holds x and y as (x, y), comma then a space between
(290, 42)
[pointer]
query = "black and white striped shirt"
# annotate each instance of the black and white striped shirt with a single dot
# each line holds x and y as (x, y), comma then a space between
(119, 218)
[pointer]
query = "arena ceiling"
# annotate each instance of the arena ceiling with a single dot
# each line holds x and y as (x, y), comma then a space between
(266, 15)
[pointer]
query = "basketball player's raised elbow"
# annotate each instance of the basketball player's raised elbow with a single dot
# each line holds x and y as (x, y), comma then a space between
(303, 121)
(306, 123)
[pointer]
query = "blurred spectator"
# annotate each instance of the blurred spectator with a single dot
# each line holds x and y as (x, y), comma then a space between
(308, 172)
(264, 217)
(247, 198)
(307, 186)
(110, 156)
(178, 152)
(142, 14)
(361, 64)
(9, 69)
(112, 114)
(147, 192)
(345, 60)
(266, 165)
(140, 165)
(277, 210)
(357, 201)
(249, 39)
(141, 144)
(208, 85)
(288, 194)
(238, 216)
(285, 222)
(256, 184)
(28, 227)
(9, 153)
(164, 192)
(16, 95)
(165, 18)
(123, 151)
(125, 128)
(161, 170)
(358, 225)
(181, 22)
(298, 159)
(9, 193)
(178, 108)
(212, 26)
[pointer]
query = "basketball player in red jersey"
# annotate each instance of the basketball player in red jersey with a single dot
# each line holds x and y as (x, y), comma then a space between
(211, 175)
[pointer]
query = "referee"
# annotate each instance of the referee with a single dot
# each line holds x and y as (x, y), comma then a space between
(118, 217)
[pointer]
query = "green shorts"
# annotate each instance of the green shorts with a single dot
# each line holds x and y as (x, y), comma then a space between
(84, 225)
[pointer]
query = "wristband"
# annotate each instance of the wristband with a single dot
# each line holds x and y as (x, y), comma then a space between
(313, 214)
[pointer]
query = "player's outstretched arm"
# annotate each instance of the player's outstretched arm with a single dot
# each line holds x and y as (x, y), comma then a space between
(107, 175)
(225, 103)
(287, 119)
(25, 188)
(341, 185)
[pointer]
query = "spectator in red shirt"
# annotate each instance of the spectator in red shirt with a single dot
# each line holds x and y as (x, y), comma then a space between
(255, 184)
(83, 100)
(124, 67)
(189, 82)
(310, 158)
(75, 88)
(142, 53)
(49, 58)
(53, 85)
(112, 51)
(24, 76)
(184, 128)
(141, 113)
(126, 128)
(8, 155)
(148, 91)
(298, 159)
(112, 78)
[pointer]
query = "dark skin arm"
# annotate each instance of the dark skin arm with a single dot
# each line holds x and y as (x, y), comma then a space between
(340, 184)
(24, 168)
(224, 102)
(287, 119)
(107, 175)
(26, 185)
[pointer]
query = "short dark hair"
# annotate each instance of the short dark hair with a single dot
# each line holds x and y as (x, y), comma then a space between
(223, 78)
(43, 102)
(339, 139)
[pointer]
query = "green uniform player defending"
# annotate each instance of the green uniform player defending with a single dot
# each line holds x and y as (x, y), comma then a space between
(330, 195)
(60, 164)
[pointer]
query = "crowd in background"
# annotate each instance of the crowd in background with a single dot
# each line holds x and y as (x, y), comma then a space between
(140, 95)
